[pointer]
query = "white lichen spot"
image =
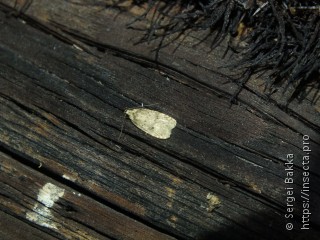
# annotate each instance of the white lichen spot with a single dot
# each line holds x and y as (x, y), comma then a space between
(41, 213)
(41, 216)
(213, 202)
(49, 194)
(154, 123)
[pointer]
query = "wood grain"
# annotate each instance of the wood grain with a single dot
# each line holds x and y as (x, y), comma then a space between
(66, 80)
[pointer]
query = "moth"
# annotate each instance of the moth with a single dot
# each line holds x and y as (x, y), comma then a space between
(154, 123)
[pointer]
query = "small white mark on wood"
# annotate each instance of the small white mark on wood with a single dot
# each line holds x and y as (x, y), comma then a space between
(154, 123)
(41, 213)
(77, 47)
(78, 194)
(68, 177)
(247, 161)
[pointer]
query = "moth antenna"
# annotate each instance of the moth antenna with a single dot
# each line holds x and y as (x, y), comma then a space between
(122, 126)
(149, 105)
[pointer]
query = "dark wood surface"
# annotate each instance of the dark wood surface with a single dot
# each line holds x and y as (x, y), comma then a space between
(68, 71)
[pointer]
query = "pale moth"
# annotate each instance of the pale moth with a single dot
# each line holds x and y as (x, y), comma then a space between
(154, 123)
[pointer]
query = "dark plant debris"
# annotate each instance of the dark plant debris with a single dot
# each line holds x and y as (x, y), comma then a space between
(278, 37)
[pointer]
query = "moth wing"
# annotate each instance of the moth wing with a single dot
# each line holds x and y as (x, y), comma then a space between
(152, 122)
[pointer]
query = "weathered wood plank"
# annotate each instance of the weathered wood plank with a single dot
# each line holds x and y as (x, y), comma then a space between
(92, 22)
(27, 194)
(13, 228)
(63, 108)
